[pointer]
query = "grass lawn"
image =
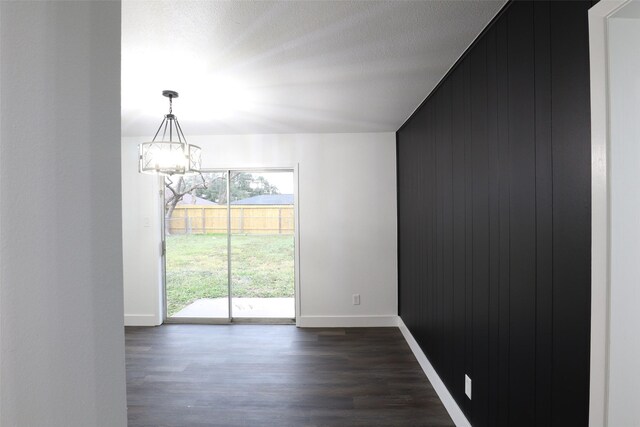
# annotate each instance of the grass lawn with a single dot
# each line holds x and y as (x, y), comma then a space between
(261, 266)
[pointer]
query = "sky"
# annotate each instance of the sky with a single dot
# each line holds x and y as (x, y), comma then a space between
(282, 180)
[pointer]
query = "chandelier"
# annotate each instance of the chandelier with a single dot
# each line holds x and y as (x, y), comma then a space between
(169, 157)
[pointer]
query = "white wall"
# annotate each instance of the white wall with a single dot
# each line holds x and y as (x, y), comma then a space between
(624, 150)
(339, 254)
(61, 334)
(141, 240)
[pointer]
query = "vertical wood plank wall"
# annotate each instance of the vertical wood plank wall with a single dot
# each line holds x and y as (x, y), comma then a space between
(494, 220)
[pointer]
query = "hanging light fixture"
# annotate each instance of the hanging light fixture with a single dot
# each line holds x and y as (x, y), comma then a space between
(169, 157)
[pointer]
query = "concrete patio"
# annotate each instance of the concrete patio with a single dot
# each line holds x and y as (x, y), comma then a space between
(241, 307)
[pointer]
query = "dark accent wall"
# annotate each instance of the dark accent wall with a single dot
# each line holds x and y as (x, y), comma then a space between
(494, 220)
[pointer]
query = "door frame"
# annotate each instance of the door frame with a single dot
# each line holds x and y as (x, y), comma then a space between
(600, 222)
(296, 254)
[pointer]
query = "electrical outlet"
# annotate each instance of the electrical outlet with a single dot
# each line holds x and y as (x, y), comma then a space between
(356, 299)
(467, 386)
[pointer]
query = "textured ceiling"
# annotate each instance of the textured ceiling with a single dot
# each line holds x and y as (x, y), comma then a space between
(246, 67)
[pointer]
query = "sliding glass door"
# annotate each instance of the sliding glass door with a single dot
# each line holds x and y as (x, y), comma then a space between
(196, 247)
(229, 246)
(262, 244)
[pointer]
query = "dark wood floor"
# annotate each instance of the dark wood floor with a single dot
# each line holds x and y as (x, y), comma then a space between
(276, 375)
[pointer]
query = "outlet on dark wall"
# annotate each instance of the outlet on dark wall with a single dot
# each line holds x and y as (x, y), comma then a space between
(494, 220)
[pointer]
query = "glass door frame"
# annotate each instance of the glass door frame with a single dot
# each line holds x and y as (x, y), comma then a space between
(296, 254)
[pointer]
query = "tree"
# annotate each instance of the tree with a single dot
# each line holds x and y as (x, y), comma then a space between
(213, 187)
(243, 185)
(180, 188)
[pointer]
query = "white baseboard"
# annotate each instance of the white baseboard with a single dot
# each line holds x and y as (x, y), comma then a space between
(449, 403)
(141, 320)
(347, 321)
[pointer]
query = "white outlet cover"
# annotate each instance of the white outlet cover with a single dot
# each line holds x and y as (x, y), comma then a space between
(356, 299)
(467, 386)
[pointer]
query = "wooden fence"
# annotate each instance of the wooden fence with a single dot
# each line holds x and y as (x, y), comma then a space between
(245, 219)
